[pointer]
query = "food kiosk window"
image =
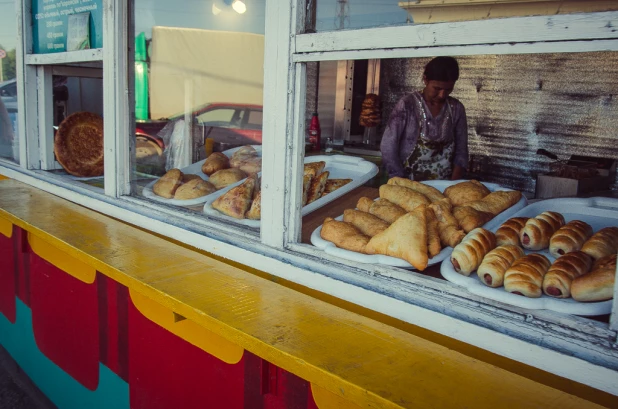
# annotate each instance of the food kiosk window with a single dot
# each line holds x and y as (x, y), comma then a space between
(9, 140)
(199, 71)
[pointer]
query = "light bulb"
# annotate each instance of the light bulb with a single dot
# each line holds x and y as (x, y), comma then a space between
(215, 10)
(239, 6)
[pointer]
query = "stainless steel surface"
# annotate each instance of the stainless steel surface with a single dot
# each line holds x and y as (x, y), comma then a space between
(516, 104)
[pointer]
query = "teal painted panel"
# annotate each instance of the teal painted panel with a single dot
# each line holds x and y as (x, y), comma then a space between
(64, 391)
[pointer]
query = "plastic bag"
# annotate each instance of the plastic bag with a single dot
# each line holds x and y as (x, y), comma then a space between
(178, 145)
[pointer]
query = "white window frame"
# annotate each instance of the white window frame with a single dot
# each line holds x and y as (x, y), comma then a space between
(567, 346)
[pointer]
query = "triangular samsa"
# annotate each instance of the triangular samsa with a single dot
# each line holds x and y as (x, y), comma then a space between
(406, 238)
(237, 201)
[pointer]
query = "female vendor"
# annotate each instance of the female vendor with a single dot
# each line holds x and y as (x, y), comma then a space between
(427, 133)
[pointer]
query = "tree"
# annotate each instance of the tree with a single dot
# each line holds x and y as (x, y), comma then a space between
(8, 64)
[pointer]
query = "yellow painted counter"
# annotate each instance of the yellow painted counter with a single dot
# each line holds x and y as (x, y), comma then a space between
(369, 360)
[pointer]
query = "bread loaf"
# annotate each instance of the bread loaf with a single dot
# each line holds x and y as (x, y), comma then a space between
(496, 262)
(536, 233)
(525, 276)
(602, 243)
(557, 281)
(468, 255)
(598, 285)
(569, 238)
(508, 232)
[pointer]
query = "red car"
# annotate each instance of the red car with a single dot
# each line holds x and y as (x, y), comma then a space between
(229, 125)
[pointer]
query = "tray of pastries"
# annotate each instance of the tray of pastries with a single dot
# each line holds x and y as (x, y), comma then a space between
(325, 178)
(557, 254)
(415, 224)
(195, 183)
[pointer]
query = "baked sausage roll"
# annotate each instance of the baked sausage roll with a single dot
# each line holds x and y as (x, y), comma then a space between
(496, 262)
(525, 276)
(536, 233)
(569, 238)
(468, 255)
(598, 285)
(508, 232)
(602, 243)
(557, 281)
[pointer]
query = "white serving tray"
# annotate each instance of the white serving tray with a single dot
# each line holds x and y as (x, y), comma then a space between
(597, 211)
(194, 169)
(339, 167)
(441, 185)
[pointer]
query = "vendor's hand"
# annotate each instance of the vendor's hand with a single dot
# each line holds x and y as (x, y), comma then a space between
(458, 172)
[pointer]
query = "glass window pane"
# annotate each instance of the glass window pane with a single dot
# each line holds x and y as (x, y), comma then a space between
(412, 117)
(199, 69)
(9, 141)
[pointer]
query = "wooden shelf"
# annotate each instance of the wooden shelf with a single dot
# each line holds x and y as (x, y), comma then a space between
(433, 11)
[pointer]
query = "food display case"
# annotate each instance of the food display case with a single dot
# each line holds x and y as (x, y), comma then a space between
(216, 257)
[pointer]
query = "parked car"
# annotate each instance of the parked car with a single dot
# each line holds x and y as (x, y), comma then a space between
(8, 93)
(228, 125)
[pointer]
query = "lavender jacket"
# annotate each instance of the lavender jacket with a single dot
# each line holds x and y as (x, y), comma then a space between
(403, 129)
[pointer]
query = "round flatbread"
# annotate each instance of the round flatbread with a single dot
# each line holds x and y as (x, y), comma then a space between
(78, 144)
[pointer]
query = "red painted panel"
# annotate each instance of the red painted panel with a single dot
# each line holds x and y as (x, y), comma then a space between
(167, 372)
(8, 256)
(65, 320)
(113, 325)
(23, 265)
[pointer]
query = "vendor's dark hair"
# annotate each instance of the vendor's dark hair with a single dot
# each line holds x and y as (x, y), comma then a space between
(442, 69)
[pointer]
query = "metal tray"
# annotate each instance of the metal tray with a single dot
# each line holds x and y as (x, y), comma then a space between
(330, 248)
(597, 211)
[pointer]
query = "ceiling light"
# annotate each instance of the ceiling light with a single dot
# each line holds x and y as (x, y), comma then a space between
(215, 10)
(239, 6)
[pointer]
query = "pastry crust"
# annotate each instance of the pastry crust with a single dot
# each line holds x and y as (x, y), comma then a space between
(569, 238)
(78, 144)
(387, 211)
(406, 238)
(215, 162)
(237, 200)
(508, 232)
(448, 226)
(306, 184)
(226, 177)
(344, 235)
(602, 243)
(255, 211)
(496, 202)
(525, 276)
(317, 186)
(403, 197)
(469, 218)
(366, 223)
(598, 285)
(433, 233)
(538, 230)
(464, 192)
(313, 169)
(251, 165)
(557, 281)
(468, 255)
(496, 262)
(433, 194)
(167, 184)
(193, 189)
(334, 184)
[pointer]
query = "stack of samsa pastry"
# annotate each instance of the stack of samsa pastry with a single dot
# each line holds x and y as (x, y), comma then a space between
(177, 185)
(242, 201)
(414, 221)
(316, 183)
(245, 159)
(584, 267)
